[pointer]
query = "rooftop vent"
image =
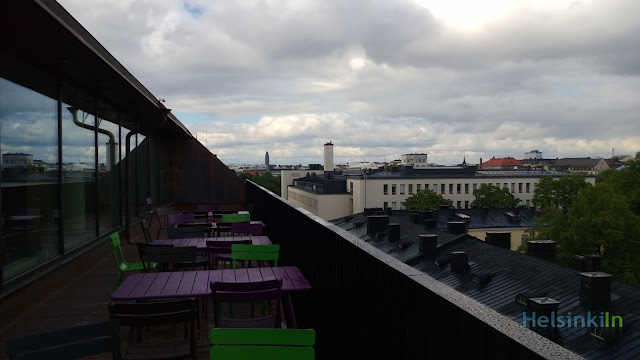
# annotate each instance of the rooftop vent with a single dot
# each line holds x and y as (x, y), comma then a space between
(542, 249)
(481, 278)
(429, 224)
(377, 224)
(543, 306)
(427, 244)
(393, 230)
(595, 289)
(459, 262)
(442, 260)
(457, 227)
(586, 263)
(513, 216)
(463, 217)
(499, 238)
(414, 216)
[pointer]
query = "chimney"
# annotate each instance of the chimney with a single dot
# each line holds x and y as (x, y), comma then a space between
(457, 227)
(429, 224)
(499, 238)
(377, 224)
(480, 161)
(586, 263)
(328, 157)
(459, 262)
(414, 216)
(427, 244)
(393, 231)
(542, 249)
(595, 289)
(543, 306)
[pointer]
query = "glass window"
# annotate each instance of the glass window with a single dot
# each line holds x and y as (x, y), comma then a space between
(442, 188)
(527, 187)
(513, 187)
(466, 204)
(393, 189)
(466, 188)
(418, 187)
(458, 204)
(401, 189)
(108, 176)
(385, 189)
(410, 188)
(474, 187)
(28, 178)
(450, 188)
(78, 171)
(458, 187)
(385, 205)
(520, 188)
(393, 205)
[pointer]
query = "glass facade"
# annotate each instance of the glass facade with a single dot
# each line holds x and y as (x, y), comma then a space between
(62, 172)
(29, 173)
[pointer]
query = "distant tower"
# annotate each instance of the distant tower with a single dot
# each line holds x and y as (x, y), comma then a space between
(266, 160)
(328, 157)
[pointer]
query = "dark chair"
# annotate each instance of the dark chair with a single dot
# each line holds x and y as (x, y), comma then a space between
(163, 213)
(144, 225)
(264, 344)
(138, 316)
(169, 256)
(246, 229)
(69, 343)
(265, 291)
(220, 250)
(177, 219)
(188, 232)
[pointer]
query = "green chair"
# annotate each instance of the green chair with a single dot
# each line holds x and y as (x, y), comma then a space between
(254, 252)
(264, 344)
(232, 218)
(121, 263)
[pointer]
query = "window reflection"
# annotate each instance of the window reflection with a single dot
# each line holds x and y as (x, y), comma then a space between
(28, 178)
(108, 175)
(78, 162)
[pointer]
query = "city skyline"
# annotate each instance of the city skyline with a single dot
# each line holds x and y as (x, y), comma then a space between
(452, 79)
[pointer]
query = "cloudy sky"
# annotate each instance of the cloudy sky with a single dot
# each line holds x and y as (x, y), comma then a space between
(449, 78)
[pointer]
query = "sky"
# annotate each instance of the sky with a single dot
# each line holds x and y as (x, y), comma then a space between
(454, 79)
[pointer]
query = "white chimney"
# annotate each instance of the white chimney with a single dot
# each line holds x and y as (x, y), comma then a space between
(328, 157)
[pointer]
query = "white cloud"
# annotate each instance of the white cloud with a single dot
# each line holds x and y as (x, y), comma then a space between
(382, 78)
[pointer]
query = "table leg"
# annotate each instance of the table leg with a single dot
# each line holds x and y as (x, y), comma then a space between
(289, 315)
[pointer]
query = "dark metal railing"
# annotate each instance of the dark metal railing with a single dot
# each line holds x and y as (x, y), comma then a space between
(365, 302)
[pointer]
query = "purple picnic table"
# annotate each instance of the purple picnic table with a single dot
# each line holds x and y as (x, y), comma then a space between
(201, 243)
(185, 284)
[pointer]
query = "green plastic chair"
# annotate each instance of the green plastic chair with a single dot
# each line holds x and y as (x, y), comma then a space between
(122, 264)
(231, 218)
(254, 252)
(264, 344)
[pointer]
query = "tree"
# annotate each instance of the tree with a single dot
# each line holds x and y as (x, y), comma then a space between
(425, 199)
(488, 195)
(558, 194)
(603, 219)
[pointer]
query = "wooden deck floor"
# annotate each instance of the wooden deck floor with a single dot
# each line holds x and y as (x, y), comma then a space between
(75, 294)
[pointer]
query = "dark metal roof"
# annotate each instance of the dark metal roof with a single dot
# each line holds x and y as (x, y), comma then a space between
(511, 273)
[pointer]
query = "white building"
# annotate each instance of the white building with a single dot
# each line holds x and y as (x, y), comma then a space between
(392, 188)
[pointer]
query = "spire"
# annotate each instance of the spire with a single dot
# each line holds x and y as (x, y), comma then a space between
(464, 160)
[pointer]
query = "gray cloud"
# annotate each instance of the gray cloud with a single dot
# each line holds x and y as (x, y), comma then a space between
(382, 78)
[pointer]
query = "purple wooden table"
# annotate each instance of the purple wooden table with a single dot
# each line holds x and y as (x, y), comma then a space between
(201, 243)
(184, 284)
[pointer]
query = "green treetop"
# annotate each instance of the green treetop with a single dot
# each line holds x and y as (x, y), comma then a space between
(490, 196)
(425, 199)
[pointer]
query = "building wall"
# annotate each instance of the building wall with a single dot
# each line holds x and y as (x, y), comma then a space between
(326, 206)
(287, 177)
(459, 191)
